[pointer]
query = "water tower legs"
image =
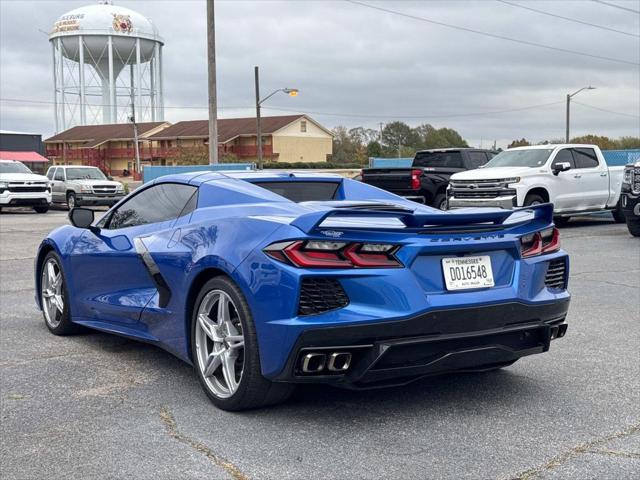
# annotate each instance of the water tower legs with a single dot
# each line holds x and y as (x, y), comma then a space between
(83, 93)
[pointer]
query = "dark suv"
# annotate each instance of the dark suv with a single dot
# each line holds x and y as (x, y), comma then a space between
(427, 179)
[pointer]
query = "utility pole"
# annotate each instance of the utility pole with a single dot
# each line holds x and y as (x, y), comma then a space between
(258, 120)
(381, 124)
(135, 125)
(566, 139)
(213, 98)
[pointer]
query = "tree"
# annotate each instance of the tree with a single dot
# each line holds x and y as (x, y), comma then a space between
(396, 135)
(345, 150)
(605, 143)
(374, 149)
(523, 142)
(431, 137)
(627, 143)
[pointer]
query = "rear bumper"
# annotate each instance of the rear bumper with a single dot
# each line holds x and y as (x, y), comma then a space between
(500, 202)
(436, 342)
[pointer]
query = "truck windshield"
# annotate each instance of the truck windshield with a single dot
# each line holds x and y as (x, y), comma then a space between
(438, 159)
(85, 174)
(520, 158)
(13, 167)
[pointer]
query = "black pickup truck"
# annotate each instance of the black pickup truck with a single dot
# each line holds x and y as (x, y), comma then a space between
(427, 179)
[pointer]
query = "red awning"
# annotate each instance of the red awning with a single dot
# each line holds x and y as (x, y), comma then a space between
(33, 157)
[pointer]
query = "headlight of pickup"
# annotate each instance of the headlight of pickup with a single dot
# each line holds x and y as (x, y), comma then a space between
(4, 186)
(120, 189)
(511, 180)
(627, 175)
(85, 189)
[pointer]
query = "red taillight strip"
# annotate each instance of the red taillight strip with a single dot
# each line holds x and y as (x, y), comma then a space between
(538, 246)
(363, 259)
(554, 244)
(415, 179)
(314, 258)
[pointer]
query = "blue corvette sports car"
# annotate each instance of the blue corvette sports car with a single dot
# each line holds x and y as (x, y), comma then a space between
(263, 280)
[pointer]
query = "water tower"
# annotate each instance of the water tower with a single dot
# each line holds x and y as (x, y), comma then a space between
(105, 58)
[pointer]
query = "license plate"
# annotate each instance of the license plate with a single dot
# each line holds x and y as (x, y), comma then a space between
(463, 273)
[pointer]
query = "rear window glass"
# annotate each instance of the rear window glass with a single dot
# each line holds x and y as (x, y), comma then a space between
(438, 159)
(302, 191)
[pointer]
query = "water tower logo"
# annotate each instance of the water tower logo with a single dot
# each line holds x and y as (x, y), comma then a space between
(122, 23)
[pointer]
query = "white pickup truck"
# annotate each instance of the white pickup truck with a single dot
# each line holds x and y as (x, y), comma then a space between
(575, 178)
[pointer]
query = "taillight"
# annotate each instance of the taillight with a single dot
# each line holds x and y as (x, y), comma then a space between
(545, 241)
(415, 179)
(329, 254)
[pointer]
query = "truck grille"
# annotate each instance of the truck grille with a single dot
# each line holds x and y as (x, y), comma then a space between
(480, 189)
(556, 276)
(319, 295)
(30, 187)
(104, 189)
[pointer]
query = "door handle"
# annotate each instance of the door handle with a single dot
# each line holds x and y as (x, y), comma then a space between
(577, 176)
(603, 174)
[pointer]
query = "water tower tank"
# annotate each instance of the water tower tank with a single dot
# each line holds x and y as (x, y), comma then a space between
(106, 58)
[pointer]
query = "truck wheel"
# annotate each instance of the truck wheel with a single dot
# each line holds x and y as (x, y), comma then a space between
(440, 202)
(618, 214)
(533, 199)
(71, 200)
(561, 221)
(41, 209)
(633, 224)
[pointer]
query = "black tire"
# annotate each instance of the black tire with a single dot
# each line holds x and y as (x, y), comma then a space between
(561, 221)
(254, 390)
(633, 225)
(71, 200)
(41, 209)
(64, 326)
(533, 199)
(440, 202)
(618, 214)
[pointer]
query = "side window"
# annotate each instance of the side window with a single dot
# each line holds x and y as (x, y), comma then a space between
(476, 159)
(564, 156)
(158, 203)
(50, 173)
(585, 158)
(59, 175)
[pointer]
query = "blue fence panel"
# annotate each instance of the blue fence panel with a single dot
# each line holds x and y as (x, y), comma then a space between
(376, 162)
(152, 172)
(617, 158)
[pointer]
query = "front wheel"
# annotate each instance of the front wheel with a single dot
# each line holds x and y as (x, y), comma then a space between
(561, 221)
(633, 225)
(440, 202)
(71, 200)
(41, 209)
(533, 199)
(618, 214)
(54, 297)
(225, 350)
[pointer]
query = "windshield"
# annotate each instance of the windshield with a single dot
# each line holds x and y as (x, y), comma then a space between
(13, 167)
(520, 158)
(85, 174)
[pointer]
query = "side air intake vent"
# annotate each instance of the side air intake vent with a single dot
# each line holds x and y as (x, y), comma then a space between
(319, 295)
(556, 276)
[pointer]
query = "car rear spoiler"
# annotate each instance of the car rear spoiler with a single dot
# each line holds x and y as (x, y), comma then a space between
(456, 221)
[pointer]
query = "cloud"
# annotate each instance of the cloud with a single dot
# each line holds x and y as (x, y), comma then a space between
(350, 61)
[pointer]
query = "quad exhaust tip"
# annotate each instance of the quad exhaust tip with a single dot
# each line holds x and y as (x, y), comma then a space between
(336, 362)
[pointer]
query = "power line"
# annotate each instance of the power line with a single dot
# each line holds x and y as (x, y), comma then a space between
(605, 110)
(575, 20)
(334, 114)
(608, 4)
(421, 117)
(492, 35)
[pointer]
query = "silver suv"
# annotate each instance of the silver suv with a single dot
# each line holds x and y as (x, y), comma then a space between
(78, 185)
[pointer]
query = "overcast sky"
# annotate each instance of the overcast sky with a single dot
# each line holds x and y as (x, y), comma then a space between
(360, 66)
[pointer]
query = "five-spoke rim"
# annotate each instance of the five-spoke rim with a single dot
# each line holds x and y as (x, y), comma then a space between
(52, 293)
(219, 343)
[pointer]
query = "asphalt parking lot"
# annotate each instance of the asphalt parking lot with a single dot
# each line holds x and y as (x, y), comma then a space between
(100, 406)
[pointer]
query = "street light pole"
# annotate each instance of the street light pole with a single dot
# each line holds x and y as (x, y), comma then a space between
(569, 96)
(289, 91)
(213, 100)
(258, 121)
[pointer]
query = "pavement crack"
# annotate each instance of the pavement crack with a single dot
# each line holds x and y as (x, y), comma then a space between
(591, 446)
(615, 453)
(172, 430)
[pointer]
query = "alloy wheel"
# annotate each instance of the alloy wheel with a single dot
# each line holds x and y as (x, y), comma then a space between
(52, 292)
(219, 343)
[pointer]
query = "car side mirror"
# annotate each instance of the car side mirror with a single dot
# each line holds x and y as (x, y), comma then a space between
(561, 167)
(109, 177)
(82, 218)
